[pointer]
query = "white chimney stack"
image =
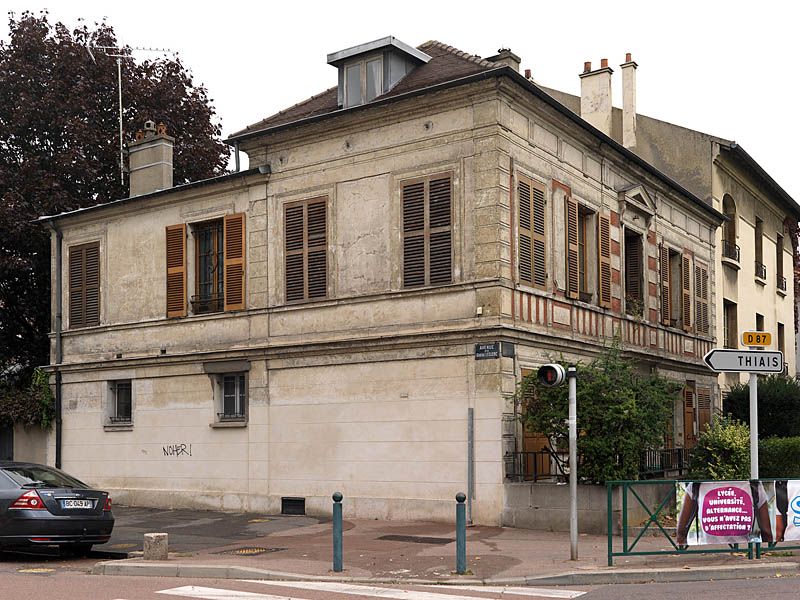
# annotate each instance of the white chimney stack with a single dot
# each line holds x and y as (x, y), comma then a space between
(628, 102)
(596, 96)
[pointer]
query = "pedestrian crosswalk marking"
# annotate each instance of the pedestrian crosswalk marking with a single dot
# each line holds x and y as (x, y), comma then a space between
(514, 591)
(205, 593)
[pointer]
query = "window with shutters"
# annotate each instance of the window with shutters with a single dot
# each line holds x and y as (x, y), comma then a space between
(634, 273)
(689, 418)
(604, 259)
(306, 249)
(531, 226)
(427, 205)
(209, 271)
(84, 285)
(578, 220)
(676, 300)
(701, 319)
(703, 409)
(760, 267)
(730, 324)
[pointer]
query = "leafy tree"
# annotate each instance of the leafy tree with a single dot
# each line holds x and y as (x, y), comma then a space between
(59, 151)
(778, 401)
(722, 451)
(621, 412)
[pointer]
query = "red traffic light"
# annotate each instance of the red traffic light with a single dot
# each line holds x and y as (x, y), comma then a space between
(551, 375)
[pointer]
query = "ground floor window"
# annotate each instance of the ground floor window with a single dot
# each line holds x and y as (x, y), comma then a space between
(231, 396)
(120, 402)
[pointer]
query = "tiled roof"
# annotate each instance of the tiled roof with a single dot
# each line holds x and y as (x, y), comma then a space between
(447, 63)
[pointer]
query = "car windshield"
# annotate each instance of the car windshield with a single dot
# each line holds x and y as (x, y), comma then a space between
(42, 477)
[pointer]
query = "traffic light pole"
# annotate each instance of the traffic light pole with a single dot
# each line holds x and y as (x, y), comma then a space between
(572, 421)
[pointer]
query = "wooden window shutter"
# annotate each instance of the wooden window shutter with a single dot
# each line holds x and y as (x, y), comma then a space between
(427, 231)
(703, 408)
(306, 250)
(525, 230)
(440, 253)
(539, 253)
(572, 248)
(686, 298)
(176, 270)
(633, 270)
(84, 285)
(701, 298)
(317, 249)
(604, 256)
(234, 235)
(663, 256)
(689, 436)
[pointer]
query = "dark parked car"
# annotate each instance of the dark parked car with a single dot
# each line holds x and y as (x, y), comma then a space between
(43, 506)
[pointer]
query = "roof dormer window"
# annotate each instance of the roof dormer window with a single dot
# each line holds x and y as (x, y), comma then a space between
(363, 81)
(370, 70)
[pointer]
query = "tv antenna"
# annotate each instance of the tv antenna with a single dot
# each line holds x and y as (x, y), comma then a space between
(117, 52)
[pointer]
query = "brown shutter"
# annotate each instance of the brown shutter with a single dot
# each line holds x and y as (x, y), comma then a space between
(294, 242)
(439, 222)
(604, 255)
(176, 270)
(235, 248)
(317, 248)
(525, 232)
(539, 254)
(689, 437)
(84, 285)
(633, 270)
(686, 298)
(703, 408)
(414, 234)
(664, 274)
(572, 247)
(701, 298)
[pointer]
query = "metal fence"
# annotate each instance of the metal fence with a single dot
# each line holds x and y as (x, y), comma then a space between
(667, 462)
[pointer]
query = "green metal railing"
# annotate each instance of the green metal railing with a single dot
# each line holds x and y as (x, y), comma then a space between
(629, 547)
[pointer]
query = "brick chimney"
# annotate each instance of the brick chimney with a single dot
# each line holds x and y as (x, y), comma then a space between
(596, 95)
(506, 57)
(628, 102)
(150, 160)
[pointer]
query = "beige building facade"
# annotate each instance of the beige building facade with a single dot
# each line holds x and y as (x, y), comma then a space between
(353, 313)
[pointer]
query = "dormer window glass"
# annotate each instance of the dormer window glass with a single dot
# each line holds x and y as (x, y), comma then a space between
(363, 82)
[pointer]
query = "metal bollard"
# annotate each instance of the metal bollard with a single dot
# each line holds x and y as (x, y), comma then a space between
(461, 534)
(337, 532)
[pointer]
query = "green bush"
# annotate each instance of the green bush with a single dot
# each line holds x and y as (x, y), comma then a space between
(621, 412)
(722, 451)
(779, 457)
(778, 398)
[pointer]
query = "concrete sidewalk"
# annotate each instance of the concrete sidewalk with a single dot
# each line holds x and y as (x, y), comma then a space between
(384, 551)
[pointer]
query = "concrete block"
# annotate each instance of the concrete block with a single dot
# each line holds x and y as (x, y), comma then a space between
(156, 546)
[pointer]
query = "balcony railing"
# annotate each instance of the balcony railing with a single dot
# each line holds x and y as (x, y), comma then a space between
(207, 304)
(761, 270)
(730, 250)
(781, 283)
(659, 463)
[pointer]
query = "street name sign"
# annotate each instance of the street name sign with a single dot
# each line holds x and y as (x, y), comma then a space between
(756, 338)
(745, 361)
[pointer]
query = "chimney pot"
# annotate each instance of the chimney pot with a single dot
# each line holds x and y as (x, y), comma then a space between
(506, 57)
(628, 57)
(527, 73)
(150, 159)
(603, 63)
(587, 66)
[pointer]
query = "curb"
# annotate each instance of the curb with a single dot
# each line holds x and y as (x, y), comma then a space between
(137, 567)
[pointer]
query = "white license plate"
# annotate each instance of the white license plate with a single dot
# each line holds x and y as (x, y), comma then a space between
(77, 504)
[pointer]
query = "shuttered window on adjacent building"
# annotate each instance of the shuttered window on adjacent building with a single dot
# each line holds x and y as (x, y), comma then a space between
(686, 292)
(84, 285)
(532, 243)
(573, 251)
(604, 259)
(701, 319)
(703, 408)
(306, 249)
(427, 231)
(689, 437)
(234, 261)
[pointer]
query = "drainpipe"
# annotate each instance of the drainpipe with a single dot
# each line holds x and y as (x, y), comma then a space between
(59, 351)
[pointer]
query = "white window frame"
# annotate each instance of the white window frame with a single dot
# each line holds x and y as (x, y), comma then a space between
(241, 383)
(112, 418)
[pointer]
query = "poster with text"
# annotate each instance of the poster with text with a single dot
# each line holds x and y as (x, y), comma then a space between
(724, 512)
(787, 510)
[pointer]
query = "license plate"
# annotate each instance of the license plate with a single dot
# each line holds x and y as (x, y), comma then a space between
(70, 503)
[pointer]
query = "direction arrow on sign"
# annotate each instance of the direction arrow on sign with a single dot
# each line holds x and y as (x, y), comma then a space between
(744, 361)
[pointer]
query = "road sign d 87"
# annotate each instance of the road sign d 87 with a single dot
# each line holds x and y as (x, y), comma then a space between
(756, 338)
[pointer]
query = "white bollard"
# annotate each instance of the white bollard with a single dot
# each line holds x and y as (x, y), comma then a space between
(156, 546)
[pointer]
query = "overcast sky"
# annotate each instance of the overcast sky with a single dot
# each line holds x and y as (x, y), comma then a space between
(726, 68)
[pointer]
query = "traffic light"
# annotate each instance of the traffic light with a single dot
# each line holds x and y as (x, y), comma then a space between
(551, 375)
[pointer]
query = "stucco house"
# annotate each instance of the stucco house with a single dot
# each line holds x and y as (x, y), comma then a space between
(355, 310)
